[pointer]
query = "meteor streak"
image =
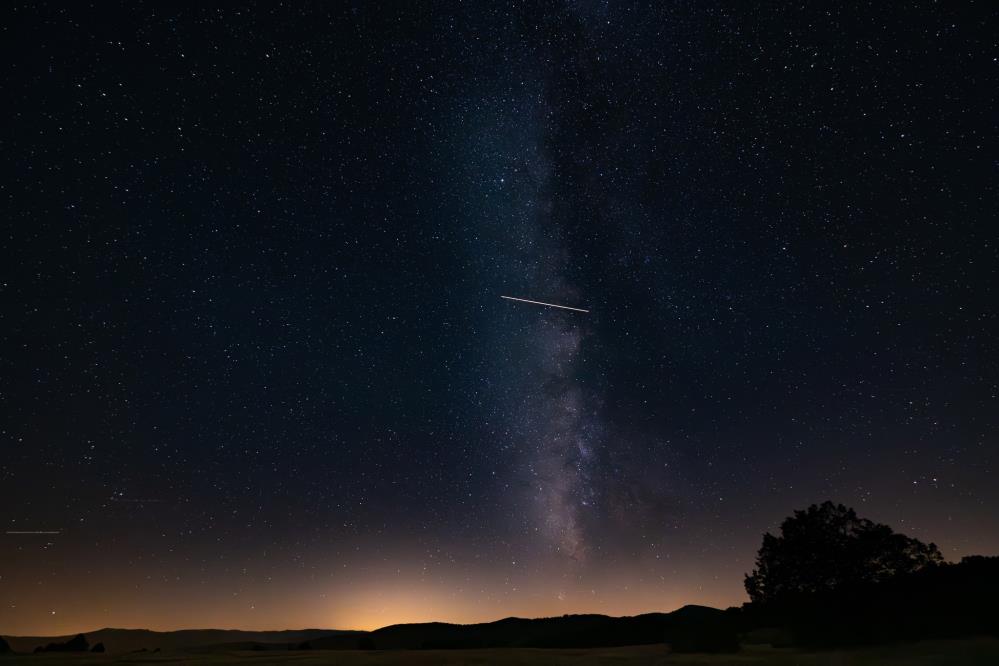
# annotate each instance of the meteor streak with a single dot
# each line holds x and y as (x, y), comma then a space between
(548, 305)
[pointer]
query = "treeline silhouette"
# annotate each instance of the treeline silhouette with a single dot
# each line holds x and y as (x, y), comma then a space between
(940, 601)
(76, 644)
(831, 578)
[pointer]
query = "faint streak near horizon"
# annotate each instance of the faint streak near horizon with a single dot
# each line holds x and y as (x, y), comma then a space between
(34, 532)
(549, 305)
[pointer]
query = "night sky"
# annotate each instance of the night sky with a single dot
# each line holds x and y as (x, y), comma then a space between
(256, 371)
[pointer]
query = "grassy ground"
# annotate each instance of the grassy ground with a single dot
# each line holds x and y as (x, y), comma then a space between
(928, 653)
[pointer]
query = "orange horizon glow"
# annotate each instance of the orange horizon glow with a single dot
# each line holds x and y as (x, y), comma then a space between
(365, 608)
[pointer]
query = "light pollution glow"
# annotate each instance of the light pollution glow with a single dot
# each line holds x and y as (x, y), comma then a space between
(370, 600)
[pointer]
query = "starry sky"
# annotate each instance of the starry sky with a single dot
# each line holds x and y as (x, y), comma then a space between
(255, 370)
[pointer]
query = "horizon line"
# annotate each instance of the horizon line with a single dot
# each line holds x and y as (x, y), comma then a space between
(391, 624)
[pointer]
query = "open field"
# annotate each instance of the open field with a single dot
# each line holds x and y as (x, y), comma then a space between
(975, 651)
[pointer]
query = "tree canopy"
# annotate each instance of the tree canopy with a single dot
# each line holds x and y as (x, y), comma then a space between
(827, 546)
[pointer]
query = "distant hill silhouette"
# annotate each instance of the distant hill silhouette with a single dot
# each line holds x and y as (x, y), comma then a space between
(131, 640)
(691, 627)
(5, 646)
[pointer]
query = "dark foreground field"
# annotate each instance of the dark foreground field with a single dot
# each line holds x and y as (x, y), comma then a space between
(972, 651)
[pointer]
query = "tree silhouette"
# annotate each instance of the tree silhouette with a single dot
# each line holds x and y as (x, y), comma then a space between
(827, 546)
(78, 644)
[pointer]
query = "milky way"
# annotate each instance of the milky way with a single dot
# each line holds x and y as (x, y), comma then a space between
(557, 419)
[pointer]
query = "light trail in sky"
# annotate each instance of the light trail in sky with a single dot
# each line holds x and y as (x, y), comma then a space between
(549, 305)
